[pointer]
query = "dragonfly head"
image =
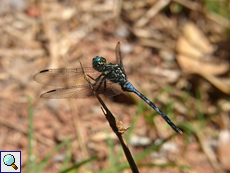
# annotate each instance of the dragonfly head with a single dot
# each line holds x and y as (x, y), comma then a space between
(98, 63)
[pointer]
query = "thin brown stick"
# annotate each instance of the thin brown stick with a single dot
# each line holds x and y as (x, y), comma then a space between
(116, 126)
(151, 12)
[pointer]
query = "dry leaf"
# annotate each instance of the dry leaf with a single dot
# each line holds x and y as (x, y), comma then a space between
(194, 66)
(184, 47)
(223, 149)
(192, 48)
(193, 34)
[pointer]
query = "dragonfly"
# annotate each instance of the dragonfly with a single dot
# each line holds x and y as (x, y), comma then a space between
(107, 79)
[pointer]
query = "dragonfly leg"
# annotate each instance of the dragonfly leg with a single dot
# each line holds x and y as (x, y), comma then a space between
(104, 85)
(96, 80)
(102, 81)
(91, 77)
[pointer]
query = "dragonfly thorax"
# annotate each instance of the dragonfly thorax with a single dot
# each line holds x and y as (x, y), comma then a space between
(99, 63)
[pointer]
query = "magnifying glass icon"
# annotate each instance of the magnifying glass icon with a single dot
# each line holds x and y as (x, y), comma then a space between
(9, 160)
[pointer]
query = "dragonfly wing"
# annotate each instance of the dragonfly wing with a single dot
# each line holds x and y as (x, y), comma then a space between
(64, 77)
(70, 92)
(119, 57)
(83, 91)
(106, 89)
(110, 90)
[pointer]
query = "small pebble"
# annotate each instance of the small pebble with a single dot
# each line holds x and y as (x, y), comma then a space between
(126, 48)
(140, 141)
(122, 32)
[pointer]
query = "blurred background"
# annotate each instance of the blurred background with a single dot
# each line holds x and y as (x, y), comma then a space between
(176, 52)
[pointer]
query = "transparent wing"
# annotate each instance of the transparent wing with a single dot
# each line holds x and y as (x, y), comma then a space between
(119, 57)
(83, 91)
(64, 77)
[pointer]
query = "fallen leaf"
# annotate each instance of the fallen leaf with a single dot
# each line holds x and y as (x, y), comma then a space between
(194, 35)
(223, 149)
(195, 56)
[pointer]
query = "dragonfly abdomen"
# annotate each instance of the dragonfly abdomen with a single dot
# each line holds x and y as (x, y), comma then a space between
(155, 108)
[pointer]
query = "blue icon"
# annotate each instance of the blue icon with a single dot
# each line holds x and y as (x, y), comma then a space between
(9, 160)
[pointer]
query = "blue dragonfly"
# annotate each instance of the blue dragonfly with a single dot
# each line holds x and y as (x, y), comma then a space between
(107, 79)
